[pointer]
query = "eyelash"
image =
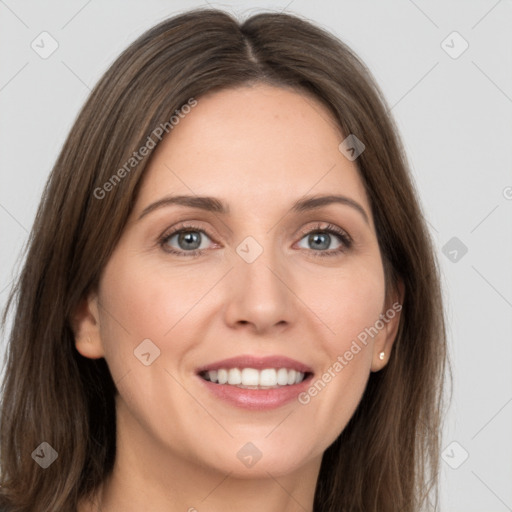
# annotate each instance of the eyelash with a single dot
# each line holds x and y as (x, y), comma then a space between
(345, 239)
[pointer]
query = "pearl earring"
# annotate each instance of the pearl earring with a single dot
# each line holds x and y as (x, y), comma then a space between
(381, 356)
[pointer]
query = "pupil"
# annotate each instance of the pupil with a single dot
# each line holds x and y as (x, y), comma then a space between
(316, 237)
(189, 238)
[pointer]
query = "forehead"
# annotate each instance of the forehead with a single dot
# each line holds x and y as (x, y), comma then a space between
(253, 145)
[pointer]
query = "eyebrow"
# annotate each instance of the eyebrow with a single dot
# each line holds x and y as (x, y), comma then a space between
(212, 204)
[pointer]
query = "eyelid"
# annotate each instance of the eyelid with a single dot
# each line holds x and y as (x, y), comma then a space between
(328, 228)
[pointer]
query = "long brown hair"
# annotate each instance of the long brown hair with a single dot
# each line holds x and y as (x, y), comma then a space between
(387, 458)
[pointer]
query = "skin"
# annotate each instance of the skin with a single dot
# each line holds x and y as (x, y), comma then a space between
(259, 149)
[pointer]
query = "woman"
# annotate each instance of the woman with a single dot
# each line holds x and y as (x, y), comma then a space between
(291, 358)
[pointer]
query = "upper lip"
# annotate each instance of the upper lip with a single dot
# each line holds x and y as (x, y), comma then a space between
(258, 363)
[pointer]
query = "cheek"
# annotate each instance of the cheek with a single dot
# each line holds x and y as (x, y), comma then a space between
(350, 307)
(349, 304)
(140, 302)
(145, 301)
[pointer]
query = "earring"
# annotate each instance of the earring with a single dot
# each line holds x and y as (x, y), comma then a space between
(381, 356)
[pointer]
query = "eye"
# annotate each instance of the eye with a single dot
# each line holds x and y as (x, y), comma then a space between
(321, 237)
(189, 239)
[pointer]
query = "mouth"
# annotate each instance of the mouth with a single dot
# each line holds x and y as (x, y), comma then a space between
(249, 372)
(251, 378)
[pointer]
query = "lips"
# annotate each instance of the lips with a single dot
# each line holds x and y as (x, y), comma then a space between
(258, 363)
(257, 383)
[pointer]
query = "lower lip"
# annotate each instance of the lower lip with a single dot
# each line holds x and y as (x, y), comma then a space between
(256, 399)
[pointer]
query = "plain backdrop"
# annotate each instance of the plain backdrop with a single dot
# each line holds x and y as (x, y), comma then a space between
(451, 96)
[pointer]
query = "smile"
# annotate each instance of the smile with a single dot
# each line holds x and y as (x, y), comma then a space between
(251, 378)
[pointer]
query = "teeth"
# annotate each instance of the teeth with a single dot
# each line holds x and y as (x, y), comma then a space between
(250, 377)
(234, 377)
(253, 379)
(282, 377)
(222, 376)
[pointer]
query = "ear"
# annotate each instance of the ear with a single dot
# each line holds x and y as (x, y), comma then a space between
(86, 328)
(390, 317)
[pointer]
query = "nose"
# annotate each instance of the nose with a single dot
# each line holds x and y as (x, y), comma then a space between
(260, 294)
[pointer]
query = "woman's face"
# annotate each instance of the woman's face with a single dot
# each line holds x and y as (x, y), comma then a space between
(281, 288)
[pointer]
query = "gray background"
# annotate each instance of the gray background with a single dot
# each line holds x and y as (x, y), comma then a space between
(454, 115)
